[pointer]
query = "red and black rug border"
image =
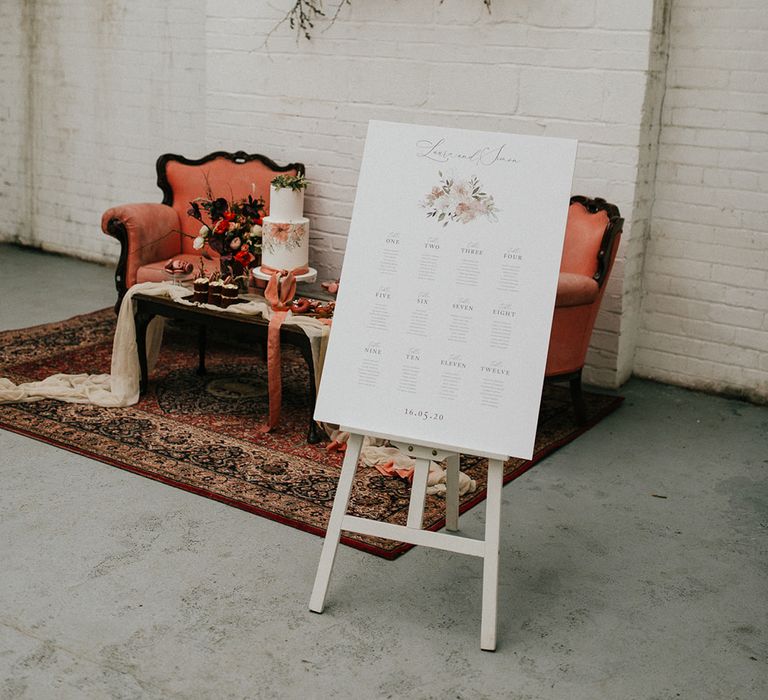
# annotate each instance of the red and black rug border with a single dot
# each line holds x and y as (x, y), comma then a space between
(370, 549)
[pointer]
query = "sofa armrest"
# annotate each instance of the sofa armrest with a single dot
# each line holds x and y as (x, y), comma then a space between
(574, 289)
(147, 232)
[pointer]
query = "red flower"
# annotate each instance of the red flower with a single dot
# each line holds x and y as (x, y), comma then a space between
(259, 221)
(244, 257)
(221, 226)
(229, 216)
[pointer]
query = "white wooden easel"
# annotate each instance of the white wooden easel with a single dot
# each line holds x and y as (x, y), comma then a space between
(412, 533)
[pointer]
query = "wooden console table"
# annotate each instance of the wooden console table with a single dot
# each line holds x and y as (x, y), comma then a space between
(251, 328)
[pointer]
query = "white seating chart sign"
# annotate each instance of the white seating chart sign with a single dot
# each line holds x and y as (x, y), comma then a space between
(445, 304)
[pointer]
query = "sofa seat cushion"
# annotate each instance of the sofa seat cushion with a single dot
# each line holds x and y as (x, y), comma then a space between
(575, 290)
(155, 272)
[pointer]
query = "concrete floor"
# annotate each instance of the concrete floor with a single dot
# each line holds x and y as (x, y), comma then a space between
(114, 586)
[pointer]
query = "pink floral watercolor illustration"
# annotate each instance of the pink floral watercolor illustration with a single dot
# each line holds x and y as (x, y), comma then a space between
(282, 236)
(461, 201)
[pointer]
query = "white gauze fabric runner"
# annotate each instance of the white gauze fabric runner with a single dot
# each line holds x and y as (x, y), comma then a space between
(121, 386)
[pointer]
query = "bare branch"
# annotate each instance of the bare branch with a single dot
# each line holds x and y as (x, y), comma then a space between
(304, 13)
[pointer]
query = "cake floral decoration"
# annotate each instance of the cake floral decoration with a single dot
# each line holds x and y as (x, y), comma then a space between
(286, 235)
(460, 201)
(291, 182)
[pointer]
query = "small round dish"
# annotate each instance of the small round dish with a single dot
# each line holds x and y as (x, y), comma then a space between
(179, 277)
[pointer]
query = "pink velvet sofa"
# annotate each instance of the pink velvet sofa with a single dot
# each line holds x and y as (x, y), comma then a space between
(591, 239)
(151, 234)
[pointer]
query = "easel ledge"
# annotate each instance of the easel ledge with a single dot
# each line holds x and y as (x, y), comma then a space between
(487, 549)
(421, 443)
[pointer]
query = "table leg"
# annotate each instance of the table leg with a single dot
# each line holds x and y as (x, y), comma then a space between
(452, 492)
(579, 406)
(141, 321)
(202, 339)
(316, 433)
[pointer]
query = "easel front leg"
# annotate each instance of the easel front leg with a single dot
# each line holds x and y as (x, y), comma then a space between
(332, 536)
(418, 493)
(491, 556)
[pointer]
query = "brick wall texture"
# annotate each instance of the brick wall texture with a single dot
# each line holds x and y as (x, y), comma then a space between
(104, 88)
(14, 119)
(94, 92)
(704, 320)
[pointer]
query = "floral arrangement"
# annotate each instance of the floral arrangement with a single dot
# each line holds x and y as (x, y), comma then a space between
(233, 229)
(460, 201)
(293, 182)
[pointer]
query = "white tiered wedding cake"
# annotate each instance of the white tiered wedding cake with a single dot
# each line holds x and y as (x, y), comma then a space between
(285, 232)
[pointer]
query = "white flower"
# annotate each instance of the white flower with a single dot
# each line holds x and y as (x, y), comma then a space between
(203, 232)
(255, 230)
(198, 243)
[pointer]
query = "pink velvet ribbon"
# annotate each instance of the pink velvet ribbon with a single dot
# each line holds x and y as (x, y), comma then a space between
(267, 270)
(279, 293)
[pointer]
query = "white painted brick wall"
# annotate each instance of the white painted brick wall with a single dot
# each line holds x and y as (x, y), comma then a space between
(14, 156)
(110, 86)
(577, 69)
(705, 309)
(638, 220)
(115, 84)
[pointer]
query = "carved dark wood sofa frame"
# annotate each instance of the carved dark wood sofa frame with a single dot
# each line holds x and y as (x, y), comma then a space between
(151, 226)
(577, 305)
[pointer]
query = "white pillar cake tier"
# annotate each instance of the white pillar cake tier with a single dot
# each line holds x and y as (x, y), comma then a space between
(285, 244)
(286, 204)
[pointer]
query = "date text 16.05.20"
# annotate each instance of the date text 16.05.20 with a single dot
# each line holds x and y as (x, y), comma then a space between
(423, 414)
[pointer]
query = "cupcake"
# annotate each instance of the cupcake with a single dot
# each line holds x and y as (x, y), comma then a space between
(228, 294)
(200, 286)
(214, 292)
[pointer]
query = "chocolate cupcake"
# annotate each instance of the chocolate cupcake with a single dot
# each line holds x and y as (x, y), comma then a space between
(228, 294)
(214, 292)
(200, 286)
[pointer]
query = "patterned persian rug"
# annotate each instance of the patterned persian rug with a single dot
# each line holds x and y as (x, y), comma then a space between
(202, 434)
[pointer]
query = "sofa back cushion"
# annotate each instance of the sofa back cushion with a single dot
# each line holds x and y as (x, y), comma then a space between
(222, 176)
(583, 235)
